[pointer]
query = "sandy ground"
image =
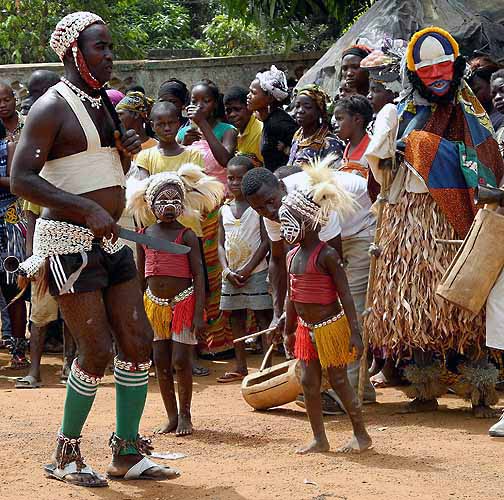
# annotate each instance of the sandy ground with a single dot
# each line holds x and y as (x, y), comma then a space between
(237, 453)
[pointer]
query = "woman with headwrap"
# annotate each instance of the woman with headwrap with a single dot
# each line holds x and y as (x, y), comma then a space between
(480, 70)
(313, 138)
(266, 95)
(355, 77)
(134, 110)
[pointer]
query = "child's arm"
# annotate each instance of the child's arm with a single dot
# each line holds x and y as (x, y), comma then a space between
(258, 257)
(190, 239)
(229, 274)
(290, 327)
(141, 265)
(332, 263)
(221, 250)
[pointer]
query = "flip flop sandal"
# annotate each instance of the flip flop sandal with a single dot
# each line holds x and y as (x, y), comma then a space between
(53, 472)
(136, 472)
(28, 382)
(230, 377)
(200, 371)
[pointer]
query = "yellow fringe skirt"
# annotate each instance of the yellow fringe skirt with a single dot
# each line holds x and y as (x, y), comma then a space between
(328, 341)
(171, 318)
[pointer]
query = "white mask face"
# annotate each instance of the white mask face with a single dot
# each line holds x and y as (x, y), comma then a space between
(292, 231)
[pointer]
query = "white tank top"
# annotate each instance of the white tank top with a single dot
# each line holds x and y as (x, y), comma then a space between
(96, 168)
(242, 238)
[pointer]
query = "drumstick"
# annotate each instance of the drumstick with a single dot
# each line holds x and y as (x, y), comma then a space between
(449, 242)
(266, 359)
(253, 335)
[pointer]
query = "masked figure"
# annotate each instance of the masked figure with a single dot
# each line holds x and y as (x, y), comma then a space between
(445, 148)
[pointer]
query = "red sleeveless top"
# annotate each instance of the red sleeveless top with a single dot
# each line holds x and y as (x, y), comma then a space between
(159, 263)
(312, 287)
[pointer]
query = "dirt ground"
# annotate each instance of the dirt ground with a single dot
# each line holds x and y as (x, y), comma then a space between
(237, 453)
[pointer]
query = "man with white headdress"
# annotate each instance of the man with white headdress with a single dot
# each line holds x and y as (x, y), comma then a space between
(72, 161)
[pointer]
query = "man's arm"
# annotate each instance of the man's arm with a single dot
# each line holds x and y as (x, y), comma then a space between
(37, 139)
(278, 277)
(31, 219)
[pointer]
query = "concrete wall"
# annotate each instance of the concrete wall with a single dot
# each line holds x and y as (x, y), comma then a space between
(225, 71)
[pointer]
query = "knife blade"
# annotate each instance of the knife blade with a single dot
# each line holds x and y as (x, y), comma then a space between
(151, 242)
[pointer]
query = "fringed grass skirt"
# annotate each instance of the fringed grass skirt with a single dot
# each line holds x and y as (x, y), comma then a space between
(406, 314)
(328, 342)
(172, 321)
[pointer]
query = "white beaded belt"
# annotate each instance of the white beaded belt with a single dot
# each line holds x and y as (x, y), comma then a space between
(326, 322)
(169, 302)
(52, 237)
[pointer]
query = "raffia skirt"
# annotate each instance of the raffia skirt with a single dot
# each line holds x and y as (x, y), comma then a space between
(406, 314)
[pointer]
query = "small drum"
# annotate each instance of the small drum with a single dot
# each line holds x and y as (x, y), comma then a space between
(477, 265)
(273, 386)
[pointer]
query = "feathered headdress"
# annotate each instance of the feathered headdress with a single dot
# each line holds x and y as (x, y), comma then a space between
(323, 195)
(200, 192)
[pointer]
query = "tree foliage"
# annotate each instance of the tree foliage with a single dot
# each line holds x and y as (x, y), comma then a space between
(136, 25)
(287, 11)
(227, 27)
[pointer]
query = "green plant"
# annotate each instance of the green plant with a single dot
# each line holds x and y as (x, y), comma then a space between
(225, 36)
(136, 26)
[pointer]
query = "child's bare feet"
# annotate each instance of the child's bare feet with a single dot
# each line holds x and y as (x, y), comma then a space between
(357, 444)
(185, 427)
(316, 446)
(169, 426)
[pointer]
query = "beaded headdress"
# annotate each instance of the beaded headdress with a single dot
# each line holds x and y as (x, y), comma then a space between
(65, 36)
(322, 195)
(200, 192)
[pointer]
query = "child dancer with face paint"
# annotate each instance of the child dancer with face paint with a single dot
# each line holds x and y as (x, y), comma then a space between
(174, 284)
(321, 327)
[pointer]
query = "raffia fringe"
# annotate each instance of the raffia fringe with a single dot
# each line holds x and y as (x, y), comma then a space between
(165, 320)
(406, 314)
(426, 382)
(332, 343)
(477, 384)
(304, 348)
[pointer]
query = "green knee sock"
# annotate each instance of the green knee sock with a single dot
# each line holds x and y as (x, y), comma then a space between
(131, 393)
(79, 399)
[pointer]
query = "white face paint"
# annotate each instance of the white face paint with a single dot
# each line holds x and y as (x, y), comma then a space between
(168, 203)
(290, 228)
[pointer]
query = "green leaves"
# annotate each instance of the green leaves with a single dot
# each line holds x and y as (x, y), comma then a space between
(136, 26)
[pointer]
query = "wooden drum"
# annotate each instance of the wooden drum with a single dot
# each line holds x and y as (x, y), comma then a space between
(477, 265)
(273, 386)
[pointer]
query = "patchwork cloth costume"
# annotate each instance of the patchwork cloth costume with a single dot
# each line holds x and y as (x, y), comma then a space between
(448, 149)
